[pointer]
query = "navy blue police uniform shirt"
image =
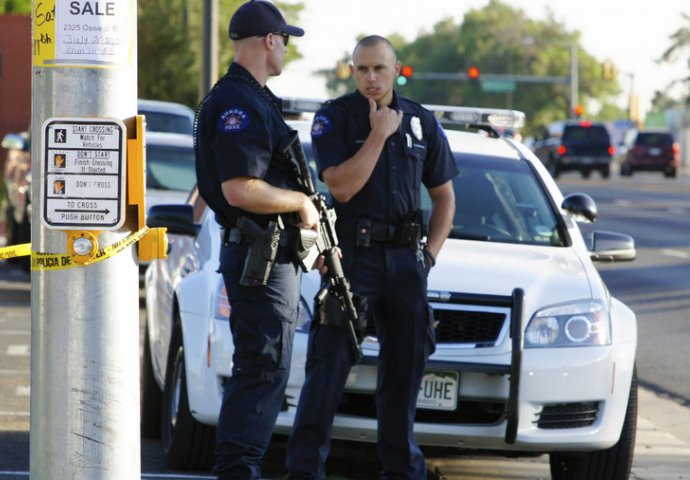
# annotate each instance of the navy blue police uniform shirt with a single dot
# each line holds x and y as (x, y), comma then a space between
(418, 153)
(240, 127)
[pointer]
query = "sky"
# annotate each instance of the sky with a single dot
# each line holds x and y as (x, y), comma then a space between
(632, 33)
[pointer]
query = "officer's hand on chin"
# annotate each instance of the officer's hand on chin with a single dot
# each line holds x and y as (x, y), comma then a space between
(384, 119)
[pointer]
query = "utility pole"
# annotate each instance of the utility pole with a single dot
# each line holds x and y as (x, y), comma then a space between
(84, 317)
(209, 50)
(574, 80)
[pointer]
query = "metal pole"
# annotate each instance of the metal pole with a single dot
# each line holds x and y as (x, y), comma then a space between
(84, 320)
(574, 80)
(209, 50)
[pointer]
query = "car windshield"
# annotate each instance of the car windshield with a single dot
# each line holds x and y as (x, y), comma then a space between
(655, 139)
(168, 122)
(501, 200)
(585, 135)
(170, 167)
(319, 185)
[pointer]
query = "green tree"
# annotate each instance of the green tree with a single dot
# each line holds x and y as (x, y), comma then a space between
(680, 45)
(500, 39)
(170, 42)
(165, 55)
(20, 7)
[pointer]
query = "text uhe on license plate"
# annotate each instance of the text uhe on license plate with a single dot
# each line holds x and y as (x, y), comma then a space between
(439, 391)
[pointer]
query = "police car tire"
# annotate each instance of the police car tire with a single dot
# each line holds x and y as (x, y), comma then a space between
(187, 444)
(151, 394)
(614, 463)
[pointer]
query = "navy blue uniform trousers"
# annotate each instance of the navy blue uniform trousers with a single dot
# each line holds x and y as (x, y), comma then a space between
(394, 280)
(262, 321)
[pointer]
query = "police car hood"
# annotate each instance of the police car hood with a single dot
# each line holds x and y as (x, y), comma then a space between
(548, 275)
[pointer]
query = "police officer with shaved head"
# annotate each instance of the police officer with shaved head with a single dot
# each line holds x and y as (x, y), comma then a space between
(238, 134)
(375, 149)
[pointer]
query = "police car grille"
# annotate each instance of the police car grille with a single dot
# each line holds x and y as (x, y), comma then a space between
(466, 412)
(567, 415)
(463, 326)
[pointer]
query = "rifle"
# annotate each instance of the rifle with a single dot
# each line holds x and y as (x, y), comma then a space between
(326, 242)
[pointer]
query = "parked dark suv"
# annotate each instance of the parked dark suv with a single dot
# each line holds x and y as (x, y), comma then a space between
(582, 146)
(650, 150)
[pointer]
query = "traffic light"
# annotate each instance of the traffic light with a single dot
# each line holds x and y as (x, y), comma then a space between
(473, 73)
(608, 70)
(342, 71)
(579, 110)
(405, 73)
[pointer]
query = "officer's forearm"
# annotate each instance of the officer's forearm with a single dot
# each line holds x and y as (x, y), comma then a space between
(348, 178)
(441, 216)
(256, 196)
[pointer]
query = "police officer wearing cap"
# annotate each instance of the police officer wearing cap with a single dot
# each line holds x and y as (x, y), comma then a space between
(375, 149)
(239, 129)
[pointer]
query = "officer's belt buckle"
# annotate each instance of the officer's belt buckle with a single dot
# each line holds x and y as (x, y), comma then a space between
(383, 232)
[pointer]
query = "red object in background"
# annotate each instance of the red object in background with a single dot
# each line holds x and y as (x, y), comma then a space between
(406, 71)
(15, 75)
(473, 73)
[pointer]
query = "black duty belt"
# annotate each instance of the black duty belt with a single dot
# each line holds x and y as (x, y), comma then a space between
(382, 232)
(402, 234)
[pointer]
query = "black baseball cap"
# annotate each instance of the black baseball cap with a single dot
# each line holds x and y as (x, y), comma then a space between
(258, 17)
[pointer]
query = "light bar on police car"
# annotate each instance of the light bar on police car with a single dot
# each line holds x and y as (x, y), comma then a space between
(302, 105)
(494, 117)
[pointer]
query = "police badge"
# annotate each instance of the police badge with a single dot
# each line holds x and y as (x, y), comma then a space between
(416, 126)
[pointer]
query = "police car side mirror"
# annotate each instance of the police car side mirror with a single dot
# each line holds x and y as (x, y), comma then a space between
(581, 206)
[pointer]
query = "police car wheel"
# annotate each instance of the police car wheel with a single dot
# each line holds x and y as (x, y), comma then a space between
(187, 444)
(614, 463)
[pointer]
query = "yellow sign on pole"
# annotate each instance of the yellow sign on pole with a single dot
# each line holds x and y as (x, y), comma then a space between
(44, 32)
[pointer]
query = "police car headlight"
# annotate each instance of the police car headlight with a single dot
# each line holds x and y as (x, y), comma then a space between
(577, 324)
(304, 316)
(222, 308)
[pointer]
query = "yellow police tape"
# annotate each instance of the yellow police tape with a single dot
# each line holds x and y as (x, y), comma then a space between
(59, 261)
(15, 251)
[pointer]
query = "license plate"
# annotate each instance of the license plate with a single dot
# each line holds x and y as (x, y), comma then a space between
(439, 391)
(587, 160)
(655, 152)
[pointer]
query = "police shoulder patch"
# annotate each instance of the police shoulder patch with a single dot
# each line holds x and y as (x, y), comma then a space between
(320, 125)
(233, 120)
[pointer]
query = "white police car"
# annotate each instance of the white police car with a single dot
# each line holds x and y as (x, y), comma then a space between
(533, 353)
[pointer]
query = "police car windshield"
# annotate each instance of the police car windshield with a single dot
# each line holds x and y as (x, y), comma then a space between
(500, 200)
(170, 167)
(168, 122)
